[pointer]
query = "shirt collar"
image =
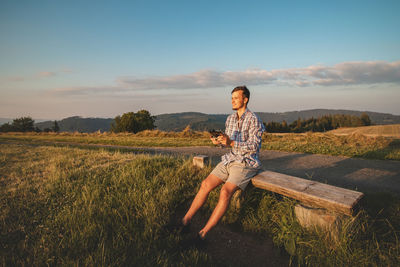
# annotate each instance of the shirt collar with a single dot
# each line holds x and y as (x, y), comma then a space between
(243, 115)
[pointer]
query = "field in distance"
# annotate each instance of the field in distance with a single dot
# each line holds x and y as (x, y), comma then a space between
(350, 145)
(392, 130)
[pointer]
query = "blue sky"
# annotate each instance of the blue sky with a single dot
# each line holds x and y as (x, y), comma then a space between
(104, 58)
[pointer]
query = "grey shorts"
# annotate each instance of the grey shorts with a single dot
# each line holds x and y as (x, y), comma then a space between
(236, 173)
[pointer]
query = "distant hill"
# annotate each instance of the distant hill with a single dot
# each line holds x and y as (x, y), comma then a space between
(200, 121)
(197, 121)
(85, 125)
(4, 120)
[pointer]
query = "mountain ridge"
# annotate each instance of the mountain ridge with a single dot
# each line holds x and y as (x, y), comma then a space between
(202, 121)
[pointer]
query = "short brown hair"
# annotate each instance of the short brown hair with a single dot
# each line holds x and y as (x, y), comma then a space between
(245, 91)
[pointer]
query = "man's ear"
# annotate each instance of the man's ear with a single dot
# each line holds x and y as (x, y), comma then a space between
(246, 100)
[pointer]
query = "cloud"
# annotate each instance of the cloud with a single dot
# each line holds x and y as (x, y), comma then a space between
(121, 93)
(47, 74)
(53, 73)
(15, 79)
(201, 79)
(347, 73)
(85, 90)
(343, 74)
(33, 77)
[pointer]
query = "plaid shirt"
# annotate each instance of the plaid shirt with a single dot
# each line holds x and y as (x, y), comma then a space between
(246, 132)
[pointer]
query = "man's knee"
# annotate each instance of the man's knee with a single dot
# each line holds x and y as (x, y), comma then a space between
(208, 184)
(204, 186)
(227, 191)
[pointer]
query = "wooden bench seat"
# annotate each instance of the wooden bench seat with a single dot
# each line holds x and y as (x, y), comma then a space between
(312, 193)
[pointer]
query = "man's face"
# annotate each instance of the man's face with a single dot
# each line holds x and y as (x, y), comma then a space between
(238, 100)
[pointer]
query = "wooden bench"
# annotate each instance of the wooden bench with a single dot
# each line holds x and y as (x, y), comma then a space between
(321, 206)
(311, 193)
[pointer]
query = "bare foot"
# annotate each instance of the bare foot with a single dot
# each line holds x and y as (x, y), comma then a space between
(202, 234)
(185, 221)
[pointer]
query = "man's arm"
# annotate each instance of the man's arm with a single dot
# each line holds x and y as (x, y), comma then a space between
(224, 138)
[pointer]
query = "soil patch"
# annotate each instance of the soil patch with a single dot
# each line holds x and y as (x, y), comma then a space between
(232, 247)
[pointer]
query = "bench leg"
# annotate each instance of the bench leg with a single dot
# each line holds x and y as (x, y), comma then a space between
(200, 161)
(320, 220)
(309, 217)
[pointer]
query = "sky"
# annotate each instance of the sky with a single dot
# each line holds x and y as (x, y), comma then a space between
(105, 58)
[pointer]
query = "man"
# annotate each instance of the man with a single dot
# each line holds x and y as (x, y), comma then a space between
(243, 134)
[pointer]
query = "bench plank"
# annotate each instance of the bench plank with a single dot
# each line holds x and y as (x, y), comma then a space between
(309, 192)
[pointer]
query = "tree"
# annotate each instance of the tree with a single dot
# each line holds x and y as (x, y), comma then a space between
(7, 127)
(321, 124)
(285, 127)
(56, 128)
(23, 124)
(144, 120)
(133, 122)
(365, 120)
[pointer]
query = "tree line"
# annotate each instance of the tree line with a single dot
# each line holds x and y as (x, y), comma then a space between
(26, 124)
(134, 122)
(321, 124)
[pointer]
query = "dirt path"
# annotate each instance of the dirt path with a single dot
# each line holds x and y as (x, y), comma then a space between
(357, 174)
(230, 247)
(363, 175)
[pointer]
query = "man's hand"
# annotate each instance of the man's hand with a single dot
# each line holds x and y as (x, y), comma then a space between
(215, 140)
(225, 141)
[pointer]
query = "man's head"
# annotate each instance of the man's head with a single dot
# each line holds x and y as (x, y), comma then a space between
(240, 97)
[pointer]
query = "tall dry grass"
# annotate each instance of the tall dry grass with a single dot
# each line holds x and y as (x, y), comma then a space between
(65, 206)
(354, 145)
(391, 130)
(70, 206)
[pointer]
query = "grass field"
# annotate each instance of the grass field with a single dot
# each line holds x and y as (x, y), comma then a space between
(62, 206)
(71, 206)
(392, 130)
(354, 145)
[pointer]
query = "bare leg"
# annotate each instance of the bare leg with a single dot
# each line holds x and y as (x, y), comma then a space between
(207, 185)
(224, 198)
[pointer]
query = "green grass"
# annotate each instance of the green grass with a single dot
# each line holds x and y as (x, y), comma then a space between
(315, 143)
(70, 206)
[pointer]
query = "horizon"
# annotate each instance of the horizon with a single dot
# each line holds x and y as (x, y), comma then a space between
(37, 120)
(103, 59)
